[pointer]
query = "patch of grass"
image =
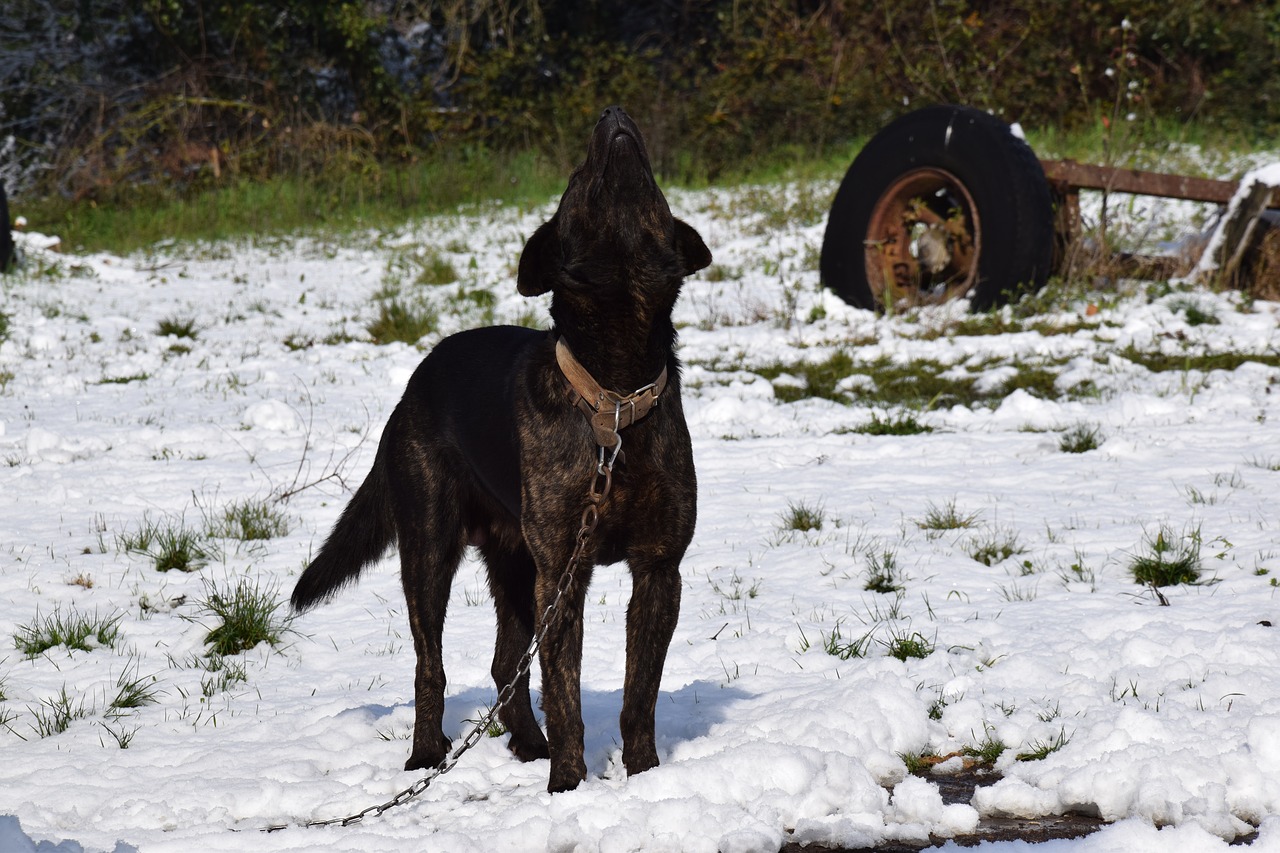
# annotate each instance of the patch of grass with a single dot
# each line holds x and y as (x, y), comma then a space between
(986, 752)
(835, 644)
(298, 341)
(495, 728)
(399, 321)
(803, 517)
(178, 327)
(1042, 749)
(904, 646)
(1266, 463)
(819, 378)
(168, 543)
(248, 614)
(1169, 559)
(883, 574)
(1195, 314)
(333, 201)
(919, 385)
(902, 423)
(1081, 438)
(180, 549)
(223, 675)
(1161, 362)
(55, 715)
(134, 691)
(124, 380)
(249, 520)
(919, 764)
(947, 517)
(995, 546)
(71, 629)
(434, 268)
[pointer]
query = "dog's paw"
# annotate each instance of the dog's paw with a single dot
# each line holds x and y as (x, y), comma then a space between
(528, 750)
(424, 757)
(566, 778)
(638, 761)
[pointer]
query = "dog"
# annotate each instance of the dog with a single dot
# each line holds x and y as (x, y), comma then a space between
(496, 445)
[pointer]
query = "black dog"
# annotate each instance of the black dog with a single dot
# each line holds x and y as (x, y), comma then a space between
(489, 448)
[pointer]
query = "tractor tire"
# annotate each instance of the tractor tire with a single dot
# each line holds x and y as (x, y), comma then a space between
(944, 203)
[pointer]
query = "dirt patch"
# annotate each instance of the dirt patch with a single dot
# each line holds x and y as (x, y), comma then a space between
(959, 788)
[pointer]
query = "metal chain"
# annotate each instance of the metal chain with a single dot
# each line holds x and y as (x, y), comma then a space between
(601, 483)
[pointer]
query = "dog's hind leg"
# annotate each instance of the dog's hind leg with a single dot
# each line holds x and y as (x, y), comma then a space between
(431, 543)
(511, 574)
(651, 620)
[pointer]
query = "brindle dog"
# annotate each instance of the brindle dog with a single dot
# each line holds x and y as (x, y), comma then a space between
(487, 448)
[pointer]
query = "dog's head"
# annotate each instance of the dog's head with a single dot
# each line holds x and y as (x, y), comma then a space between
(613, 234)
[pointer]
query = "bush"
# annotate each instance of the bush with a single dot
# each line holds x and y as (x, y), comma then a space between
(118, 97)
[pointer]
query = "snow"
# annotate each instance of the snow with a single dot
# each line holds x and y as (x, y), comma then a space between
(1170, 714)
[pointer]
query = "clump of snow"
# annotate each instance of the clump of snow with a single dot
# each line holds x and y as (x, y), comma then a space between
(1268, 176)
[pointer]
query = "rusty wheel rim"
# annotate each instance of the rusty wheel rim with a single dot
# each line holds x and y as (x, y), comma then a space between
(922, 241)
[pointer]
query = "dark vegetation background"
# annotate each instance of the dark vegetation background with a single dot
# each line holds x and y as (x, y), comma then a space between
(108, 100)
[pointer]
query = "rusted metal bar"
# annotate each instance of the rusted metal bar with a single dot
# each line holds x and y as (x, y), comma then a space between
(1083, 176)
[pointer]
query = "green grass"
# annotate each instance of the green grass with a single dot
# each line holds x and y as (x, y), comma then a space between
(947, 517)
(247, 615)
(883, 574)
(1162, 362)
(919, 385)
(995, 546)
(495, 728)
(1042, 749)
(803, 517)
(1168, 559)
(71, 629)
(435, 269)
(1080, 438)
(904, 646)
(248, 520)
(399, 321)
(1196, 315)
(335, 203)
(837, 645)
(919, 763)
(902, 423)
(55, 715)
(178, 327)
(224, 674)
(169, 544)
(986, 752)
(134, 691)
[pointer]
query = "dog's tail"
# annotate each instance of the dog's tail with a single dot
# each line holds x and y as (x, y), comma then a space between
(362, 535)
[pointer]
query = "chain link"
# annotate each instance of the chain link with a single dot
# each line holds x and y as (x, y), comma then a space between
(601, 483)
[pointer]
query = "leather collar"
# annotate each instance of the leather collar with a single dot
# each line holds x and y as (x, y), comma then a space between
(607, 411)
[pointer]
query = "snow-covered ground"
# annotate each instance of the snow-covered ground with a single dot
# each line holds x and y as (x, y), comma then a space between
(1165, 719)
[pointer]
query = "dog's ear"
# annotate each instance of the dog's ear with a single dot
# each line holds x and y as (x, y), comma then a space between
(694, 254)
(540, 260)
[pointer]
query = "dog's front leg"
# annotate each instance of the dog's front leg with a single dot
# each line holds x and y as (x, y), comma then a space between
(561, 657)
(651, 620)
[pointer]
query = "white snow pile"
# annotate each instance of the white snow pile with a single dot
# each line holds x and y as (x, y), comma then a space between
(856, 606)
